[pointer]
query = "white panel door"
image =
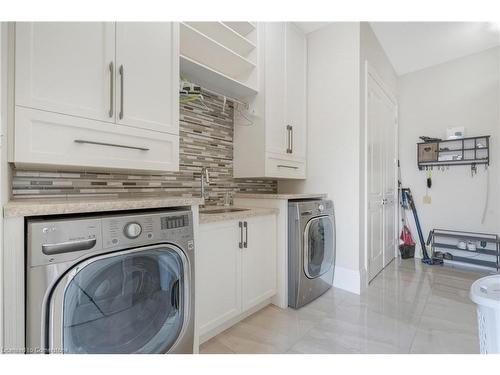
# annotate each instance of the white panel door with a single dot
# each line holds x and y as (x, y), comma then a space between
(381, 156)
(218, 274)
(259, 261)
(147, 75)
(66, 67)
(296, 90)
(375, 180)
(389, 113)
(276, 131)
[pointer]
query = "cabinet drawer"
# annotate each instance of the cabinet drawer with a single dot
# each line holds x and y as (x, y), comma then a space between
(282, 168)
(46, 139)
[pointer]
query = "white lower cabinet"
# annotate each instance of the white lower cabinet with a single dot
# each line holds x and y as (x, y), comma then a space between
(258, 263)
(235, 270)
(218, 274)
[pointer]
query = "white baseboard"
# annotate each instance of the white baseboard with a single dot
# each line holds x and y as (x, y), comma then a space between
(347, 279)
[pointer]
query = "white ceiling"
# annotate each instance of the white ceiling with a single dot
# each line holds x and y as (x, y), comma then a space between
(412, 46)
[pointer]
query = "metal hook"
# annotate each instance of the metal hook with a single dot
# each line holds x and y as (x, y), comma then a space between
(236, 108)
(473, 170)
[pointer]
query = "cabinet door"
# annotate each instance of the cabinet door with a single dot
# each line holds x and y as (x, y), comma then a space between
(66, 67)
(147, 75)
(276, 131)
(218, 274)
(259, 261)
(295, 92)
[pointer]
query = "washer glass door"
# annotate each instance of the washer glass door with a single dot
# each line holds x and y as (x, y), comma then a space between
(318, 246)
(125, 302)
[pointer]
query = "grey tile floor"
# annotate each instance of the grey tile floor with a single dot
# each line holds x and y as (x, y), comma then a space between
(408, 308)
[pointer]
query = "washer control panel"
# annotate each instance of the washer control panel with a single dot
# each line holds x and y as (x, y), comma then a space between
(59, 240)
(138, 229)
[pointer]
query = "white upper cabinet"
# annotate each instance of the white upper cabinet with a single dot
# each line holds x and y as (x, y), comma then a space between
(295, 93)
(97, 95)
(285, 92)
(66, 67)
(277, 140)
(147, 75)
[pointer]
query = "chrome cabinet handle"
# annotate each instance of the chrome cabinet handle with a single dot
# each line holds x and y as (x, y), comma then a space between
(287, 166)
(111, 89)
(122, 74)
(289, 139)
(245, 225)
(69, 246)
(83, 141)
(240, 224)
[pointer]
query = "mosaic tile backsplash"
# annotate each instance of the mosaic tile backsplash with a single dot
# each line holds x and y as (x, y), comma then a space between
(206, 140)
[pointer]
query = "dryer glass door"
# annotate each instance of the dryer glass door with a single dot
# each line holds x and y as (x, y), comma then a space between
(318, 246)
(125, 302)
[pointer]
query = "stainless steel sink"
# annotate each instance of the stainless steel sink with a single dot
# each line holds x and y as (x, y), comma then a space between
(222, 210)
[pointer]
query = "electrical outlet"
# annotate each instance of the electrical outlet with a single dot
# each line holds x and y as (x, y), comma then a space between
(427, 199)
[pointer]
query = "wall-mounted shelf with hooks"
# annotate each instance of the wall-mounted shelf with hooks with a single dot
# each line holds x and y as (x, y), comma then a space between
(463, 151)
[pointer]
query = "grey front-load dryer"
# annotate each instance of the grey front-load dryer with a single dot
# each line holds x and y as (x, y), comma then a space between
(311, 250)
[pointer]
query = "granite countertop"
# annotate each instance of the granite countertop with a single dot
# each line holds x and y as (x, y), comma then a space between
(280, 196)
(39, 207)
(248, 212)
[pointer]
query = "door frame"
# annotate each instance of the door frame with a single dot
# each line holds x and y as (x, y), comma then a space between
(369, 71)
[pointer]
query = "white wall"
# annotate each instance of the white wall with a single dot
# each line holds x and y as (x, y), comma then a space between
(462, 92)
(333, 138)
(372, 52)
(2, 117)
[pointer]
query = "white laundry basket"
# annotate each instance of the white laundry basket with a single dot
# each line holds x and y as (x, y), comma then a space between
(485, 292)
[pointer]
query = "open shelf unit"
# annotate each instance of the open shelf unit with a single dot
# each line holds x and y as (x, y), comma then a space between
(243, 28)
(220, 55)
(464, 151)
(486, 254)
(224, 35)
(216, 81)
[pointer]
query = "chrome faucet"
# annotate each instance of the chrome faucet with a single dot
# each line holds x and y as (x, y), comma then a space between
(205, 177)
